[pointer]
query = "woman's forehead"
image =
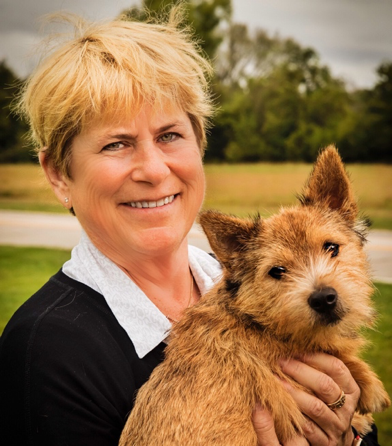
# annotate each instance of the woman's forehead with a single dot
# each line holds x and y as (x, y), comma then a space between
(162, 118)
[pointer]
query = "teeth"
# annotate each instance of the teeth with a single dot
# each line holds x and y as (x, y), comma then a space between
(152, 204)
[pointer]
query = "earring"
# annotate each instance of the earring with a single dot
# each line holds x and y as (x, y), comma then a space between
(66, 200)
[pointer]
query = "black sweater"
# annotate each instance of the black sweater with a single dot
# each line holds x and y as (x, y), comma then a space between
(68, 371)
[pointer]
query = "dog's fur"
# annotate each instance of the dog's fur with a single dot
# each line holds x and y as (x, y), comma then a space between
(274, 301)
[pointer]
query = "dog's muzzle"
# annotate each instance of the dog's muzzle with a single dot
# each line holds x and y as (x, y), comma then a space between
(324, 302)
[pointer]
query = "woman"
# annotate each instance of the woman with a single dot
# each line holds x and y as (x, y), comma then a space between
(119, 114)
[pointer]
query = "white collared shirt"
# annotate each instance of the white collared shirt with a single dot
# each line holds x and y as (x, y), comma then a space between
(144, 323)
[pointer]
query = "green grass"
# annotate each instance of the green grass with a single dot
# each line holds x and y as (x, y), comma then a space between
(379, 355)
(24, 270)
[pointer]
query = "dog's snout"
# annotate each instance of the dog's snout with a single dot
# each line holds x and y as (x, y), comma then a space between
(324, 300)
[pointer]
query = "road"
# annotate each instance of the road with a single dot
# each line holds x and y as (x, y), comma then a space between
(63, 231)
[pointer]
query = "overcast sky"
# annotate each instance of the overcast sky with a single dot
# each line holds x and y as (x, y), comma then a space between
(352, 37)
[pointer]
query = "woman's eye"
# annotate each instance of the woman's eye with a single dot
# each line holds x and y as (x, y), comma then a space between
(114, 146)
(169, 137)
(332, 248)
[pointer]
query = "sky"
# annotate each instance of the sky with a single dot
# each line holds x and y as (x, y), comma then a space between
(352, 37)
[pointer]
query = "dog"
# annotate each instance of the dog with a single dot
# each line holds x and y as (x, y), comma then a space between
(295, 283)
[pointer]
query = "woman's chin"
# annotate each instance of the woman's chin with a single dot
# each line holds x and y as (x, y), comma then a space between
(156, 241)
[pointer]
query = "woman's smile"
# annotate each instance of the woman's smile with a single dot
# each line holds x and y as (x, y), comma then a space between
(153, 203)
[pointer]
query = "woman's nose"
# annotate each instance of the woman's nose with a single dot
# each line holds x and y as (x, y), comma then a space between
(149, 164)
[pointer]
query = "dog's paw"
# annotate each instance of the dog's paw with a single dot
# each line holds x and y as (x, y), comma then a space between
(374, 398)
(362, 423)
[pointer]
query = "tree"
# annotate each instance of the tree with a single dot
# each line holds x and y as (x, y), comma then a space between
(278, 102)
(205, 17)
(379, 111)
(366, 133)
(12, 130)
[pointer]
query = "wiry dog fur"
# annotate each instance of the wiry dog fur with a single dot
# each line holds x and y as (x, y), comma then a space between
(274, 301)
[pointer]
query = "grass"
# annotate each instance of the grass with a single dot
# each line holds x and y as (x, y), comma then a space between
(24, 270)
(240, 189)
(380, 356)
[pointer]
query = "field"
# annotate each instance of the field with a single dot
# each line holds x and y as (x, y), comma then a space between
(240, 189)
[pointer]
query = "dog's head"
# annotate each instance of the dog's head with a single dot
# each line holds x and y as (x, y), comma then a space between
(301, 273)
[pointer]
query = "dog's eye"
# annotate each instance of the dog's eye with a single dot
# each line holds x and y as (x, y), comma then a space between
(277, 272)
(332, 248)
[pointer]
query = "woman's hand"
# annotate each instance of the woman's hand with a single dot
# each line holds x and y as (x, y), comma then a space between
(326, 376)
(265, 430)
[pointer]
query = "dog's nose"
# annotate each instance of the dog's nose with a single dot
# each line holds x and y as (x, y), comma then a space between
(324, 300)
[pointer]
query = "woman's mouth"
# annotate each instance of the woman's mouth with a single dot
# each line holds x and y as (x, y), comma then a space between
(152, 204)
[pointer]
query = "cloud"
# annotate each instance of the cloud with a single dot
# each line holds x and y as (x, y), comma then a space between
(17, 49)
(351, 36)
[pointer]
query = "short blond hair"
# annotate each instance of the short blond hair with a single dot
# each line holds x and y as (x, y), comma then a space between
(112, 68)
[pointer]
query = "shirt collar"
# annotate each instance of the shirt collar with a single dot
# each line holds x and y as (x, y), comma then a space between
(144, 323)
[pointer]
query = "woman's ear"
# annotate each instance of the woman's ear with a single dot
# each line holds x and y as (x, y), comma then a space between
(57, 180)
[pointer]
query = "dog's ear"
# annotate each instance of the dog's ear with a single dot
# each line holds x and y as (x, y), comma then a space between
(329, 186)
(228, 236)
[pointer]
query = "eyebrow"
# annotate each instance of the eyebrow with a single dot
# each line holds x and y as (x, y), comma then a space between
(132, 137)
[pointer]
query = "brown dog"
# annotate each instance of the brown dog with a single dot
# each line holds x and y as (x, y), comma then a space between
(294, 283)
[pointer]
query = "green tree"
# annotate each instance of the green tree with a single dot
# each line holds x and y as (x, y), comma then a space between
(205, 17)
(278, 102)
(366, 133)
(379, 111)
(324, 106)
(12, 130)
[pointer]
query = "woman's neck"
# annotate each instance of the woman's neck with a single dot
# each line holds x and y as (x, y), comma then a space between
(165, 279)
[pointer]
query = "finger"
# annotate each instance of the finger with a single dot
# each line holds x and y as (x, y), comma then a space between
(297, 441)
(333, 367)
(264, 427)
(322, 423)
(318, 373)
(265, 430)
(317, 436)
(314, 434)
(320, 382)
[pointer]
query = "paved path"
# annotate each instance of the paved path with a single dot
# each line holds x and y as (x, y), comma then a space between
(63, 231)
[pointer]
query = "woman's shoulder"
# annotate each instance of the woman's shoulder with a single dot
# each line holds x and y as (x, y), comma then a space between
(62, 307)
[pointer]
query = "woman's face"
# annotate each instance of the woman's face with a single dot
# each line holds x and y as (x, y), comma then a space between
(136, 186)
